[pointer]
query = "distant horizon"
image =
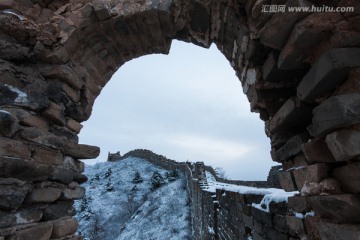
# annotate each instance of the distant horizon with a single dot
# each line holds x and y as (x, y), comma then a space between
(187, 106)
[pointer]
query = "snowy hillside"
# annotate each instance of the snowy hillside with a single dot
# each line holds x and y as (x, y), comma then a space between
(133, 199)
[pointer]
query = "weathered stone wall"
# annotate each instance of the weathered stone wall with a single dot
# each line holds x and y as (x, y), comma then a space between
(300, 71)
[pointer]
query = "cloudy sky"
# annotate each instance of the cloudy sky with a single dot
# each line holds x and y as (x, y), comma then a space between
(187, 105)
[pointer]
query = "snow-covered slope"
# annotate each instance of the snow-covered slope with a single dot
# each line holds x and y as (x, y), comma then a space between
(118, 205)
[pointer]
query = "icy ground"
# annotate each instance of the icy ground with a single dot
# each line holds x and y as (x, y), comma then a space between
(114, 209)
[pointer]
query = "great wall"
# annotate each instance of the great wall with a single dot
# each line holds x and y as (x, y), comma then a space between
(299, 70)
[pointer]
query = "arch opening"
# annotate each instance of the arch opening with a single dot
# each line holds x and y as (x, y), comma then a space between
(184, 108)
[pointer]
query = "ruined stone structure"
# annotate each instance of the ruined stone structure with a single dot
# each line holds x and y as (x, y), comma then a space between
(113, 156)
(299, 70)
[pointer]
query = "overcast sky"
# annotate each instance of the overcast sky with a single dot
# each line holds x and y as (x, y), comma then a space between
(187, 105)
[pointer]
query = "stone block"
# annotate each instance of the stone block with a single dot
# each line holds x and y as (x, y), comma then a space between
(317, 151)
(13, 96)
(7, 5)
(37, 136)
(351, 85)
(343, 208)
(23, 170)
(287, 181)
(28, 119)
(305, 37)
(12, 193)
(55, 113)
(317, 172)
(73, 94)
(13, 148)
(327, 73)
(72, 194)
(80, 178)
(299, 204)
(325, 187)
(73, 164)
(335, 112)
(279, 208)
(279, 138)
(248, 220)
(58, 210)
(101, 10)
(64, 227)
(61, 175)
(277, 30)
(38, 232)
(253, 198)
(256, 236)
(295, 225)
(25, 216)
(349, 177)
(64, 73)
(291, 115)
(258, 227)
(292, 147)
(299, 177)
(263, 217)
(46, 194)
(47, 156)
(280, 223)
(74, 125)
(331, 231)
(272, 234)
(300, 161)
(81, 151)
(344, 144)
(9, 125)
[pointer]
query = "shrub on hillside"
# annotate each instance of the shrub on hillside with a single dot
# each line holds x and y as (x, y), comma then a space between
(137, 178)
(172, 175)
(156, 180)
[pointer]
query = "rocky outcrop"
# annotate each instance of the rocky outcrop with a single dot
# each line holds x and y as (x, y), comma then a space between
(299, 71)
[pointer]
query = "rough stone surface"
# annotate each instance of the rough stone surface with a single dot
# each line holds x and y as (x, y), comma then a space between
(335, 112)
(12, 193)
(344, 144)
(40, 232)
(299, 204)
(58, 210)
(26, 216)
(9, 125)
(331, 231)
(23, 170)
(295, 225)
(81, 151)
(46, 194)
(325, 187)
(290, 115)
(312, 173)
(337, 208)
(13, 148)
(276, 31)
(349, 178)
(317, 151)
(64, 227)
(71, 194)
(327, 73)
(292, 147)
(287, 182)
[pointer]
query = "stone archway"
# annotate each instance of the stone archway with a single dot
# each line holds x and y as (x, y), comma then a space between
(300, 71)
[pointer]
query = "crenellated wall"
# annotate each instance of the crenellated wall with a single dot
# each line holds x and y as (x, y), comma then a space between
(299, 70)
